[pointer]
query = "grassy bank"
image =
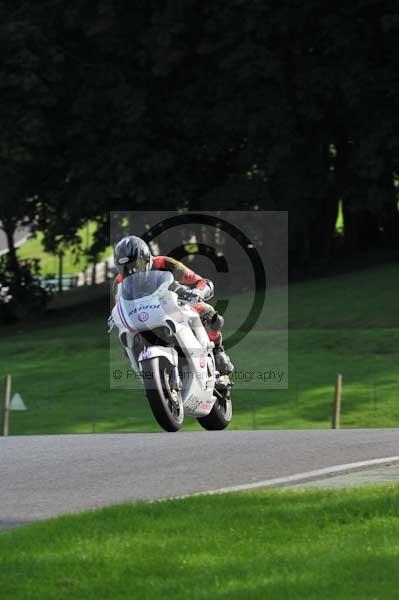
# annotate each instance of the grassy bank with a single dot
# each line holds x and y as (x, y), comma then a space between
(74, 261)
(332, 544)
(345, 324)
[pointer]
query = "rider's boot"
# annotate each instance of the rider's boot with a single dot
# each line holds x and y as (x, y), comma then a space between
(223, 363)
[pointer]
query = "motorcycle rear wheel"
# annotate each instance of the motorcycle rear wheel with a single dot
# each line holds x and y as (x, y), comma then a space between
(166, 403)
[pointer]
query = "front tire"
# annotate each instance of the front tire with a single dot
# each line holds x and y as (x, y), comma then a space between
(166, 403)
(221, 413)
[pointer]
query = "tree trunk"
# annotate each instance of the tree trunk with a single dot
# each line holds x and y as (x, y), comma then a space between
(322, 230)
(60, 271)
(12, 259)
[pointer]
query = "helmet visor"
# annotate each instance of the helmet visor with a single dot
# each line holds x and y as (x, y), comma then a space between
(135, 266)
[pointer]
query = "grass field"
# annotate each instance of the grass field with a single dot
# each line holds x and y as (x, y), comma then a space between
(347, 324)
(330, 544)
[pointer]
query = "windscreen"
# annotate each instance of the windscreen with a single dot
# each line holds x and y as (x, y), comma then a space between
(139, 285)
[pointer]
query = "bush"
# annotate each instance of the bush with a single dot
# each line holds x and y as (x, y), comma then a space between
(23, 295)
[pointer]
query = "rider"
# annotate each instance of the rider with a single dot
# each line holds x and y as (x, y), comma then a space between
(133, 255)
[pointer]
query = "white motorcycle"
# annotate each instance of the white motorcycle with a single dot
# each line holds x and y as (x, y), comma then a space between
(169, 348)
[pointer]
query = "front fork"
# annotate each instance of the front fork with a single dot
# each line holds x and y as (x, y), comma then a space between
(176, 380)
(170, 354)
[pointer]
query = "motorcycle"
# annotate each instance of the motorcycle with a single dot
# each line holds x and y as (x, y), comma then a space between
(169, 349)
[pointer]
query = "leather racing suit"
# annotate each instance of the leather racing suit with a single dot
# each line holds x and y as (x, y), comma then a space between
(212, 321)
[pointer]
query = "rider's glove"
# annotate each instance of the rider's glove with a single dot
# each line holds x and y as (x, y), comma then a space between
(196, 297)
(188, 295)
(204, 293)
(208, 290)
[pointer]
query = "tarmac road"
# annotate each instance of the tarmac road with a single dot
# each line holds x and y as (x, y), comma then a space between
(45, 476)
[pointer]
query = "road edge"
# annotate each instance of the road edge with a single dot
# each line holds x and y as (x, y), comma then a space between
(315, 475)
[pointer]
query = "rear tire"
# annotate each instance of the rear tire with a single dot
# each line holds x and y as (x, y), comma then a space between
(220, 415)
(165, 402)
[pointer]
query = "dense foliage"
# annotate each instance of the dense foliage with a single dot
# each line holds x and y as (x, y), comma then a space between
(239, 104)
(23, 297)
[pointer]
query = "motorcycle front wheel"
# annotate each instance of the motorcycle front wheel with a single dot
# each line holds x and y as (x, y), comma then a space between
(221, 413)
(165, 401)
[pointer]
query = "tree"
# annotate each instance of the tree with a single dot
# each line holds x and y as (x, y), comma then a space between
(210, 105)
